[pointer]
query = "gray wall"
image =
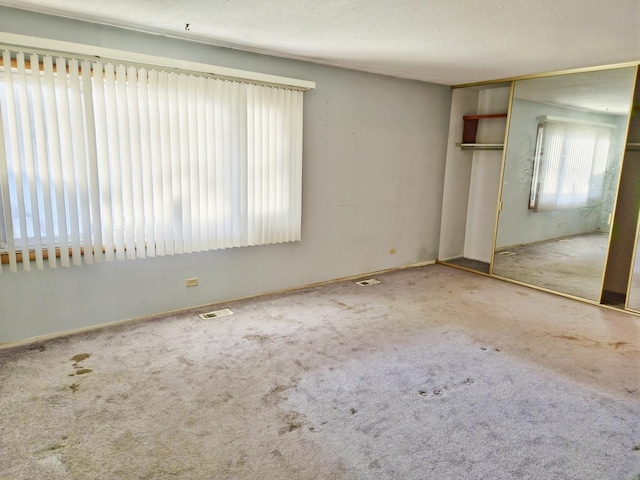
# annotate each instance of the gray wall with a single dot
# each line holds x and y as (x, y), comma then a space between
(374, 150)
(519, 225)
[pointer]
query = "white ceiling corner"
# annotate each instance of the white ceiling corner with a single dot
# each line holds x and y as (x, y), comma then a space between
(447, 42)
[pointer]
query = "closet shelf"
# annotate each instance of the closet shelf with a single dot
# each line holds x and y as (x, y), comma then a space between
(480, 146)
(470, 125)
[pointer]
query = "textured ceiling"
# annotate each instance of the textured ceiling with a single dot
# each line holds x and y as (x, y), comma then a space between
(442, 41)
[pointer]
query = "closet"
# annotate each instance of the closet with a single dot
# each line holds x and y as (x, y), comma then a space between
(472, 175)
(542, 183)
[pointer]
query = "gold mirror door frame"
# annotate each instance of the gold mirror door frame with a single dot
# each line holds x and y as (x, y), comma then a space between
(560, 180)
(632, 173)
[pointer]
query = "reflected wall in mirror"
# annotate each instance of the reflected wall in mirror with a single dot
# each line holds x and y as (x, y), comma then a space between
(565, 144)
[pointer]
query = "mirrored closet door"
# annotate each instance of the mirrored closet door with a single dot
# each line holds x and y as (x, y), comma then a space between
(566, 141)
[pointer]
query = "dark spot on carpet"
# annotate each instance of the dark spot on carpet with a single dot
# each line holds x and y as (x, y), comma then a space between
(50, 448)
(82, 371)
(80, 356)
(293, 426)
(74, 387)
(636, 448)
(292, 422)
(342, 305)
(257, 338)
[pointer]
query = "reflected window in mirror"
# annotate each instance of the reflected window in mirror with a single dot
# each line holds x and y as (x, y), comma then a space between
(569, 164)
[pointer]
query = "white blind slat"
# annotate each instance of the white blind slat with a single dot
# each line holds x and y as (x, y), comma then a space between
(146, 200)
(31, 199)
(137, 246)
(93, 223)
(176, 164)
(55, 152)
(167, 167)
(113, 158)
(104, 191)
(193, 207)
(212, 152)
(69, 183)
(6, 221)
(82, 161)
(13, 139)
(126, 164)
(155, 221)
(201, 106)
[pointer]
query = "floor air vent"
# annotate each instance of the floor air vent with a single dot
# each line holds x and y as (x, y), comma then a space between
(371, 281)
(215, 314)
(507, 253)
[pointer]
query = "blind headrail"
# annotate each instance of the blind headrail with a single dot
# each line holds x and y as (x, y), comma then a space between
(29, 44)
(575, 121)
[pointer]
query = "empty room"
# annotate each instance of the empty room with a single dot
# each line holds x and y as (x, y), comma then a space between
(319, 240)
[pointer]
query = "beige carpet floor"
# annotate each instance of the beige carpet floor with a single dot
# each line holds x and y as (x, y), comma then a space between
(435, 373)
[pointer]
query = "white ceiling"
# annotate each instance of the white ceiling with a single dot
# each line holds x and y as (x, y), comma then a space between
(441, 41)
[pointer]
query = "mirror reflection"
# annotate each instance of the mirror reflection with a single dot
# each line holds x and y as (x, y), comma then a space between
(565, 145)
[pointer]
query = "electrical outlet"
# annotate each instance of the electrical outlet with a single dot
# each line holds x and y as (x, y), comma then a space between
(191, 282)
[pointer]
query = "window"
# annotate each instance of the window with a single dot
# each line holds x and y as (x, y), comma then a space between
(570, 163)
(103, 161)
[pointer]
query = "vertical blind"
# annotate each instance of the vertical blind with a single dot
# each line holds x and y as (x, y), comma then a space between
(104, 161)
(570, 164)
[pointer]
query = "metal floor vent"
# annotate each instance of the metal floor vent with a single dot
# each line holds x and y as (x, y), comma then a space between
(565, 240)
(371, 281)
(216, 313)
(507, 253)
